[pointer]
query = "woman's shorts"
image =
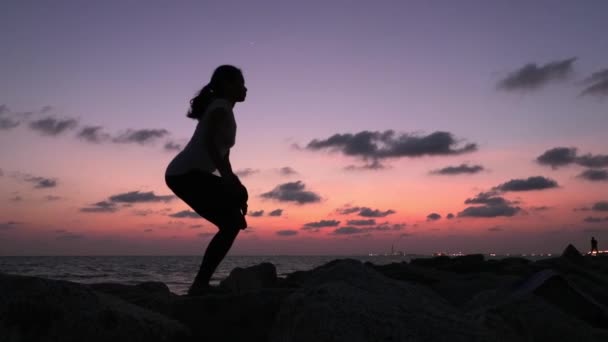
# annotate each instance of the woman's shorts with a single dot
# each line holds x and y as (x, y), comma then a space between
(208, 195)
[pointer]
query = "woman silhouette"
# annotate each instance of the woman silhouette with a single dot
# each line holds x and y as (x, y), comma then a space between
(222, 200)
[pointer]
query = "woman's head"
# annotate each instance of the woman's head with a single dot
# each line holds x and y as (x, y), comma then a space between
(227, 82)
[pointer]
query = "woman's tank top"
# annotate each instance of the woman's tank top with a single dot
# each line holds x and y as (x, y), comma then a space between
(194, 155)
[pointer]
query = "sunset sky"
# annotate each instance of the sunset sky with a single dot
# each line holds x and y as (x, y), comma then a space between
(366, 124)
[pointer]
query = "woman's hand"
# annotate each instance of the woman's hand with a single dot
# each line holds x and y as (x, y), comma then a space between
(238, 191)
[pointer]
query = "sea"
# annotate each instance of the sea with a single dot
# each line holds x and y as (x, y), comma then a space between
(175, 271)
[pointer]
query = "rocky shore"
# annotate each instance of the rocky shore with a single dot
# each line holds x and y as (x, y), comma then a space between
(463, 298)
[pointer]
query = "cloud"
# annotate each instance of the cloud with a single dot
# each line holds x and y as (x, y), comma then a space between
(376, 145)
(495, 229)
(9, 225)
(7, 123)
(347, 230)
(320, 224)
(558, 156)
(149, 230)
(246, 172)
(292, 192)
(563, 156)
(541, 208)
(276, 212)
(348, 210)
(591, 219)
(597, 84)
(531, 76)
(374, 165)
(488, 198)
(140, 197)
(42, 183)
(52, 198)
(369, 222)
(458, 170)
(100, 207)
(53, 127)
(367, 212)
(433, 217)
(93, 134)
(172, 146)
(532, 183)
(594, 175)
(186, 214)
(489, 211)
(287, 171)
(287, 232)
(600, 206)
(196, 226)
(140, 136)
(205, 234)
(256, 213)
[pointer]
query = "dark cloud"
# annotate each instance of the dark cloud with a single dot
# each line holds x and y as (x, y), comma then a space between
(276, 212)
(40, 182)
(52, 198)
(256, 213)
(140, 136)
(287, 232)
(594, 175)
(532, 183)
(9, 225)
(433, 217)
(374, 165)
(292, 192)
(373, 146)
(558, 156)
(145, 212)
(450, 216)
(140, 197)
(347, 230)
(172, 146)
(100, 207)
(348, 210)
(589, 160)
(562, 156)
(93, 134)
(320, 224)
(591, 219)
(531, 76)
(186, 214)
(369, 222)
(600, 206)
(367, 212)
(597, 84)
(541, 208)
(458, 170)
(287, 171)
(488, 198)
(52, 126)
(246, 172)
(489, 211)
(7, 123)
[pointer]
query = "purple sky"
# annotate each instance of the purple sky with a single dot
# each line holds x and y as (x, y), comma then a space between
(313, 69)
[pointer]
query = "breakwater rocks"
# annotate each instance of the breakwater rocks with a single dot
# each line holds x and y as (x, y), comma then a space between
(463, 298)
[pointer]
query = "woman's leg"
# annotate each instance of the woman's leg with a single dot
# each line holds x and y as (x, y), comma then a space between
(216, 251)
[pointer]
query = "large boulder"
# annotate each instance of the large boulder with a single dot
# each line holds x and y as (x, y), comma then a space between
(231, 317)
(36, 309)
(151, 295)
(251, 278)
(347, 301)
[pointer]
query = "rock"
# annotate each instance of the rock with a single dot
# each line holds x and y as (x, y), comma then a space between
(244, 317)
(154, 296)
(36, 309)
(572, 254)
(251, 278)
(347, 301)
